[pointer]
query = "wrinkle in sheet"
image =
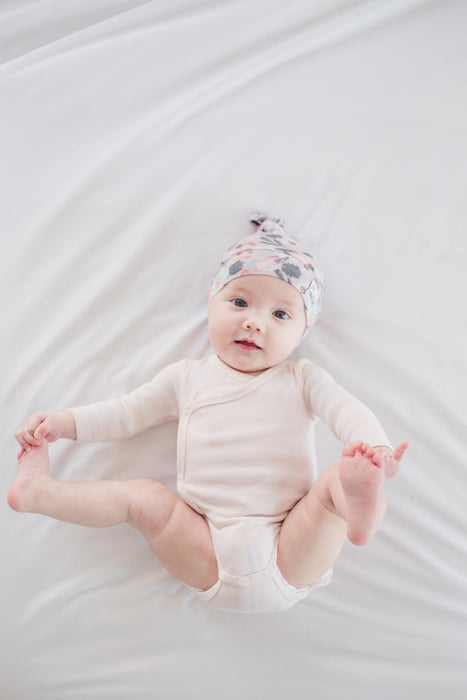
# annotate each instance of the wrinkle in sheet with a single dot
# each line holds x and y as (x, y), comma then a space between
(137, 139)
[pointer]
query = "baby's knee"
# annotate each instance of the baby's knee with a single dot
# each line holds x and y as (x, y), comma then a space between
(151, 505)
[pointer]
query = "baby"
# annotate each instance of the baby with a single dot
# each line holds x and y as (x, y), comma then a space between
(252, 529)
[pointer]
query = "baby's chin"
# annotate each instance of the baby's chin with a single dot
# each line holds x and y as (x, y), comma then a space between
(244, 368)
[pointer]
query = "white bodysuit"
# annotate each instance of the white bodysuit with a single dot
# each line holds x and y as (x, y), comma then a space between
(245, 456)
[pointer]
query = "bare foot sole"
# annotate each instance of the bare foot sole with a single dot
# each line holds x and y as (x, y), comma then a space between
(363, 485)
(33, 470)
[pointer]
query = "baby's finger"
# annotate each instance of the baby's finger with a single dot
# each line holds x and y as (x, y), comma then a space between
(29, 440)
(396, 462)
(400, 450)
(378, 458)
(40, 433)
(368, 450)
(352, 448)
(21, 439)
(27, 432)
(39, 427)
(45, 431)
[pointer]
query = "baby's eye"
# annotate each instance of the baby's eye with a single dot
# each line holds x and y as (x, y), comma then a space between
(281, 314)
(239, 302)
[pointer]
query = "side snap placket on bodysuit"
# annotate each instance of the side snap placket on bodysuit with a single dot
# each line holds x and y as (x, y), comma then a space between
(190, 408)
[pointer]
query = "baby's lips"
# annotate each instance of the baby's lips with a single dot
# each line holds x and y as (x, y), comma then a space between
(248, 341)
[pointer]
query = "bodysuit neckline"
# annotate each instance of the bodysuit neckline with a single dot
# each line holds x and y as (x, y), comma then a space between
(243, 377)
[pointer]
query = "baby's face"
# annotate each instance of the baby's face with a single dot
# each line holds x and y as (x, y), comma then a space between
(255, 322)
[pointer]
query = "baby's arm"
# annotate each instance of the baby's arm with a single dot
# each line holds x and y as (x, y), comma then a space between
(151, 404)
(350, 421)
(46, 426)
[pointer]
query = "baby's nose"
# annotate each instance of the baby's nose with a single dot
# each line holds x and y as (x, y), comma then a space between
(250, 324)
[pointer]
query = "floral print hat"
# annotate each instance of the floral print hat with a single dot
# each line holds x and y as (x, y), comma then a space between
(271, 251)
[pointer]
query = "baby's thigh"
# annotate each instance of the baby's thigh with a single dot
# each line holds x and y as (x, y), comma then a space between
(179, 536)
(311, 537)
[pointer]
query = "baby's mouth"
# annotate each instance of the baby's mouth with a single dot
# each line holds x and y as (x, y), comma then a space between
(247, 344)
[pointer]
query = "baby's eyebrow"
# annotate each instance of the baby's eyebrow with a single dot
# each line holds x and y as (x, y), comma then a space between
(239, 291)
(276, 302)
(283, 302)
(286, 302)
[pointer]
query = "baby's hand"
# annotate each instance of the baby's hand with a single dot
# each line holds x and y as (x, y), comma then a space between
(45, 426)
(382, 456)
(386, 459)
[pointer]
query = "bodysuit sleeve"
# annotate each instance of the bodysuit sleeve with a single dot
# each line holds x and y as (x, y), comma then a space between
(151, 404)
(347, 417)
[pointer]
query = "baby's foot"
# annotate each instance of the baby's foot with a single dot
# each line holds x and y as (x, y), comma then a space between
(33, 472)
(362, 482)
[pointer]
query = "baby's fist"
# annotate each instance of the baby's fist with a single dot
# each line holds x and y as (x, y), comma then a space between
(39, 427)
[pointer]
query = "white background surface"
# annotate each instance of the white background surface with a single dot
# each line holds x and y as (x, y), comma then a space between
(136, 139)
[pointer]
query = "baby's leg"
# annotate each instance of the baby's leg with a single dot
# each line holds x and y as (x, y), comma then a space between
(347, 500)
(178, 535)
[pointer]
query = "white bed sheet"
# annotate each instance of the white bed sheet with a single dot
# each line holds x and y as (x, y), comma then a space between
(136, 139)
